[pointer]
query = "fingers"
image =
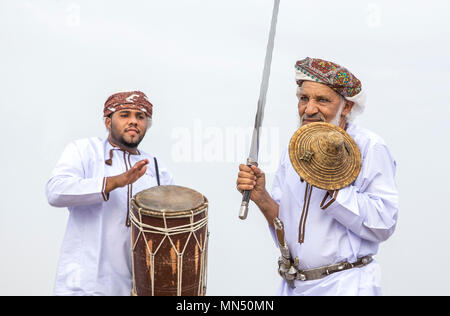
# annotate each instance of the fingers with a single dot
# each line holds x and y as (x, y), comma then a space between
(248, 177)
(141, 163)
(137, 171)
(245, 168)
(252, 169)
(245, 184)
(241, 188)
(142, 171)
(139, 166)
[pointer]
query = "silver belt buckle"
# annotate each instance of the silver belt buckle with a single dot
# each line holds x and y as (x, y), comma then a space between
(288, 270)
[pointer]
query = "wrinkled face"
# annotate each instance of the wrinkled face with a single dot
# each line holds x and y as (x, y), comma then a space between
(127, 127)
(319, 103)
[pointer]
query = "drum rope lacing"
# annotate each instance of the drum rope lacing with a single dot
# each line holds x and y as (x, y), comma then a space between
(169, 231)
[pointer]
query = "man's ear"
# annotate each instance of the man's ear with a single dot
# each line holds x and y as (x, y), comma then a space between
(108, 123)
(347, 107)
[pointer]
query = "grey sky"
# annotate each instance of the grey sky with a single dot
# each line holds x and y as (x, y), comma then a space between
(200, 63)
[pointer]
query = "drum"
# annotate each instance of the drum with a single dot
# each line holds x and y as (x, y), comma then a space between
(169, 238)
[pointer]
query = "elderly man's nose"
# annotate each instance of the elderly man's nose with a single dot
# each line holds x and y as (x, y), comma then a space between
(311, 109)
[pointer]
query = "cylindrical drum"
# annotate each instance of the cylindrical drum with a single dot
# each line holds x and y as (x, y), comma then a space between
(169, 238)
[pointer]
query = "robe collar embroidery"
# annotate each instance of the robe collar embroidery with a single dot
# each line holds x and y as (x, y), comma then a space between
(114, 147)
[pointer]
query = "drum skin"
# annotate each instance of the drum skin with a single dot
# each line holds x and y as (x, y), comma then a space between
(169, 251)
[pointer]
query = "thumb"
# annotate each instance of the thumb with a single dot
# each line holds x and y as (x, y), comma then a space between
(258, 172)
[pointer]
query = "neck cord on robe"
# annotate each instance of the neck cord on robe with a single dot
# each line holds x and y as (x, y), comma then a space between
(129, 191)
(109, 161)
(302, 224)
(129, 186)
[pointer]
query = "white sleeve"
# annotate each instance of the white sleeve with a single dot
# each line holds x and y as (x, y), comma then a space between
(370, 209)
(68, 185)
(276, 191)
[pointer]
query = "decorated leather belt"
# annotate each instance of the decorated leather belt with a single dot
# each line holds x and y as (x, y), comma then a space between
(321, 272)
(288, 268)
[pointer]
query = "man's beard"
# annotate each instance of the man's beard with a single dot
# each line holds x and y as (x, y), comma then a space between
(120, 139)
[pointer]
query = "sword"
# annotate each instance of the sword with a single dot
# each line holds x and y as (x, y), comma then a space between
(254, 148)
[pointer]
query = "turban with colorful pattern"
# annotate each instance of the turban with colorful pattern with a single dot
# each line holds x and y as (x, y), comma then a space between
(134, 100)
(334, 76)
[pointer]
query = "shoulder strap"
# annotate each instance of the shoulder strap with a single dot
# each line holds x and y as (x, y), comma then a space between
(157, 171)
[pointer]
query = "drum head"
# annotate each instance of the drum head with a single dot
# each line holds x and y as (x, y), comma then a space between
(169, 198)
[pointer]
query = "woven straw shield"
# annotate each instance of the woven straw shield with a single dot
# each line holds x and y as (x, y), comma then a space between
(325, 156)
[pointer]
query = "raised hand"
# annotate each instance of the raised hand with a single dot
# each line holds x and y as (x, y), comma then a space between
(128, 177)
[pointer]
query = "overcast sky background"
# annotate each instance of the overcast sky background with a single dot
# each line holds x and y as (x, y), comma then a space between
(200, 63)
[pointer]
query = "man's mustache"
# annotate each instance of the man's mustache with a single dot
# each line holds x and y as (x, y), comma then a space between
(316, 116)
(133, 128)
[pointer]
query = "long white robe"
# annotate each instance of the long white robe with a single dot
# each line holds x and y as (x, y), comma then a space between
(363, 215)
(95, 257)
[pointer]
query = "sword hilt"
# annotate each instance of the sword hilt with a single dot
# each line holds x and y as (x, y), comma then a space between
(244, 205)
(243, 211)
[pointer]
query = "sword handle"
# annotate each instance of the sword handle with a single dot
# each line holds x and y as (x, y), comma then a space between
(244, 205)
(246, 195)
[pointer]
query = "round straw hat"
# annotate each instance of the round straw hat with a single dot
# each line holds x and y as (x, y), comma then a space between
(325, 156)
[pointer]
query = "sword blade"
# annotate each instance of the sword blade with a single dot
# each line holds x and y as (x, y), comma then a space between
(254, 147)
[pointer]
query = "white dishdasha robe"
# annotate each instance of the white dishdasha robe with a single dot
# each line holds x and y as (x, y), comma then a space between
(363, 215)
(95, 257)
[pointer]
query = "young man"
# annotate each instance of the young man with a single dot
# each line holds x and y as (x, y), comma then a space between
(340, 236)
(95, 179)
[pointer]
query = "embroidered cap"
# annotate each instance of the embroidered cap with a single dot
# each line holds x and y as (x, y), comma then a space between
(336, 77)
(325, 156)
(135, 100)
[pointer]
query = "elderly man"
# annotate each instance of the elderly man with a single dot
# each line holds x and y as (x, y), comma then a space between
(95, 179)
(344, 228)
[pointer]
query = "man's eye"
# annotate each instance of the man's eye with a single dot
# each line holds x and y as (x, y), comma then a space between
(323, 100)
(303, 98)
